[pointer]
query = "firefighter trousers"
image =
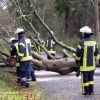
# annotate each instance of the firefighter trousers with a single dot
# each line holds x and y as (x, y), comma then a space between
(87, 82)
(24, 71)
(31, 74)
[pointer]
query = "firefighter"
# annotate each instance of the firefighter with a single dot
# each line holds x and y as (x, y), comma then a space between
(24, 56)
(14, 54)
(86, 54)
(38, 39)
(51, 46)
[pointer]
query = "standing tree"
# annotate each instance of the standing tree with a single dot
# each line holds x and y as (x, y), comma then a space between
(96, 2)
(77, 14)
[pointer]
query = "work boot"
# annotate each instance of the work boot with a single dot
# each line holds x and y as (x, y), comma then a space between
(91, 93)
(33, 79)
(85, 94)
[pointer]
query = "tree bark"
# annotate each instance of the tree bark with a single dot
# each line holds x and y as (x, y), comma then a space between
(97, 18)
(61, 66)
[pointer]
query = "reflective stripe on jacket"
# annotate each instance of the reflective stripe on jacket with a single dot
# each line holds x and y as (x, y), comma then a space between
(86, 54)
(51, 46)
(25, 49)
(17, 51)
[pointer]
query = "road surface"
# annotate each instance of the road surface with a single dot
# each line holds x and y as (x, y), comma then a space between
(66, 87)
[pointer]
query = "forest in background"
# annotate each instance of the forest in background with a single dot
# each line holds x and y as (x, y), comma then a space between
(63, 17)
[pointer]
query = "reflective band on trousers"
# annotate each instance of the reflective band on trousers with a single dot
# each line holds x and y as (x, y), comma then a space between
(23, 79)
(26, 58)
(52, 52)
(77, 58)
(85, 84)
(88, 83)
(91, 82)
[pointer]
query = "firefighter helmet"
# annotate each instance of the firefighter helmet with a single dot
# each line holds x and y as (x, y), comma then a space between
(19, 30)
(86, 30)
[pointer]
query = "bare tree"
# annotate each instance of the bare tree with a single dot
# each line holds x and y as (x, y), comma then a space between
(97, 18)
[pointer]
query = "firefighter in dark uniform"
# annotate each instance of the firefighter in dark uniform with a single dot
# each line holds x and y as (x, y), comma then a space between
(36, 47)
(86, 54)
(14, 54)
(24, 56)
(51, 46)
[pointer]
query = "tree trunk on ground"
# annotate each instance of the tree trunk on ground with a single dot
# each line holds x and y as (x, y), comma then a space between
(61, 66)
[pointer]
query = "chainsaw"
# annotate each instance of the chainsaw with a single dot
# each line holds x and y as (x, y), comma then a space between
(10, 62)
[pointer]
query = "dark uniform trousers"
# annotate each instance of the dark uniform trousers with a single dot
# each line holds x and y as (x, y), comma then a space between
(31, 74)
(87, 82)
(18, 71)
(24, 67)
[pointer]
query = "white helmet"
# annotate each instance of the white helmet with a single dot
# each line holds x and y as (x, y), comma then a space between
(11, 39)
(19, 30)
(86, 30)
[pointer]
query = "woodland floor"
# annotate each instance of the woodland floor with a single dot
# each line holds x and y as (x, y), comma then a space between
(8, 86)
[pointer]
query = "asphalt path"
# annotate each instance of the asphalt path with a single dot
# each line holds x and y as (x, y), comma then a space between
(65, 87)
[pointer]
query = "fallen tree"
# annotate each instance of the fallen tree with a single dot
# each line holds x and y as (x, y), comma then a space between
(61, 66)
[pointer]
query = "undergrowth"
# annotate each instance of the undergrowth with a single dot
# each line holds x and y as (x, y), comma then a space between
(8, 84)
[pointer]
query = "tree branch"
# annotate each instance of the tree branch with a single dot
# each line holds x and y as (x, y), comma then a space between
(4, 39)
(48, 29)
(21, 13)
(4, 54)
(5, 31)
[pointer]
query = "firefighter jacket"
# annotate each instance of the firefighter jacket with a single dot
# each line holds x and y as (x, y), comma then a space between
(86, 54)
(25, 50)
(50, 45)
